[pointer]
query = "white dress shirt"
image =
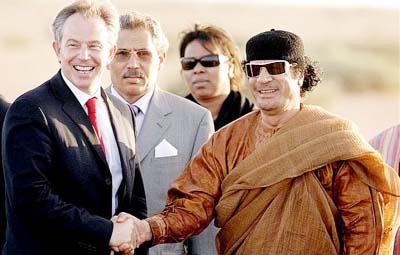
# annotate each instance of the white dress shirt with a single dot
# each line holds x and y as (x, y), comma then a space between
(107, 133)
(142, 104)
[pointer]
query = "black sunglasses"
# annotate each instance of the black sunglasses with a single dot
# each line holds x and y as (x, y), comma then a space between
(211, 60)
(273, 68)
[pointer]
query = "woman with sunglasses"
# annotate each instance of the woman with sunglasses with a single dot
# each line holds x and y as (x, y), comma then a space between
(212, 70)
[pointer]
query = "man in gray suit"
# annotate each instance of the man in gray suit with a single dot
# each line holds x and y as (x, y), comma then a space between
(169, 128)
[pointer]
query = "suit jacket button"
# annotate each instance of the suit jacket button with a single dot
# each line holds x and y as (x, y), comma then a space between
(108, 181)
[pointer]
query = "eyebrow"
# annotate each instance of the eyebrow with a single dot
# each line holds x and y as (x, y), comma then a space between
(129, 49)
(123, 49)
(72, 40)
(89, 42)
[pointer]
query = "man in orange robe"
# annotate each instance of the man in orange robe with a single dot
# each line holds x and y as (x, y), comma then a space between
(288, 178)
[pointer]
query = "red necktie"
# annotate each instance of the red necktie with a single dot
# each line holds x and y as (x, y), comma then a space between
(91, 106)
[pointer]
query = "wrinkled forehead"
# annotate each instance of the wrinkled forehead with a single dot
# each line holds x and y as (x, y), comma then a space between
(136, 39)
(80, 27)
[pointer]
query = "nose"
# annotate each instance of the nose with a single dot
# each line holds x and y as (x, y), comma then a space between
(198, 68)
(133, 61)
(84, 53)
(264, 75)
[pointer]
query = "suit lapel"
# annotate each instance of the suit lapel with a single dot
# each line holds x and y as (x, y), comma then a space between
(118, 123)
(155, 124)
(74, 110)
(121, 127)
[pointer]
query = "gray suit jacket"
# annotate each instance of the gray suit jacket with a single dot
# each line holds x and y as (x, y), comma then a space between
(172, 121)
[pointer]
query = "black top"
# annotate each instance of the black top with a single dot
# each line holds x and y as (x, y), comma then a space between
(3, 109)
(235, 106)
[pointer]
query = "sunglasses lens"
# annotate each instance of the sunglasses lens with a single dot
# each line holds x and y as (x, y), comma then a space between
(210, 61)
(188, 63)
(276, 68)
(253, 70)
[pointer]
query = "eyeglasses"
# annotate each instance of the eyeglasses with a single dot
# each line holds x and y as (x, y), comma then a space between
(211, 60)
(273, 68)
(125, 55)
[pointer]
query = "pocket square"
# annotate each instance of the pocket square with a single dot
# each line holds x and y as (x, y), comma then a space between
(165, 149)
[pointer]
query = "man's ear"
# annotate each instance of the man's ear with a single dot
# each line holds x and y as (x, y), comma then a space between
(111, 54)
(56, 48)
(161, 59)
(298, 75)
(300, 80)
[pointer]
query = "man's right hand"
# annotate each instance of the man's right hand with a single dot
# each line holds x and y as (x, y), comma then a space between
(123, 237)
(142, 227)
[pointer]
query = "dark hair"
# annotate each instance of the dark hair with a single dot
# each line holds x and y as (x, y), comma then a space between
(221, 40)
(312, 75)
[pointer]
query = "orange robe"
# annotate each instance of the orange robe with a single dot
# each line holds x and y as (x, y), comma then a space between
(312, 187)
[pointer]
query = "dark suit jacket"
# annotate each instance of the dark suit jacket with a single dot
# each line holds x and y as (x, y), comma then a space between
(58, 183)
(3, 109)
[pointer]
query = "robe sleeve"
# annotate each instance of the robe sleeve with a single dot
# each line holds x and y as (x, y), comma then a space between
(358, 205)
(191, 199)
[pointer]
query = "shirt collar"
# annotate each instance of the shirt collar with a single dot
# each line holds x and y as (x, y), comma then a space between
(79, 94)
(142, 103)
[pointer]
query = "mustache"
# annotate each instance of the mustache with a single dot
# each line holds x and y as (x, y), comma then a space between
(133, 72)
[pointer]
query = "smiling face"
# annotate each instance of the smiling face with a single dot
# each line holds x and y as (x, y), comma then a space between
(84, 51)
(206, 82)
(135, 68)
(275, 94)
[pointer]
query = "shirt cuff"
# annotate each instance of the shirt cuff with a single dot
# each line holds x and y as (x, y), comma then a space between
(158, 229)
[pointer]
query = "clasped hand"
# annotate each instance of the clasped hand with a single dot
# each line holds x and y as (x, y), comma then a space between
(129, 233)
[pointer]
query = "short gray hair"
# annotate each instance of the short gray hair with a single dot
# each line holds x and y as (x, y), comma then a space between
(88, 8)
(133, 20)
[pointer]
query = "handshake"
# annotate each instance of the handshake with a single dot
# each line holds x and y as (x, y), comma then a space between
(128, 233)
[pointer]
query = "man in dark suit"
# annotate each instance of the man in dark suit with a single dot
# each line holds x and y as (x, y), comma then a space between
(69, 149)
(3, 109)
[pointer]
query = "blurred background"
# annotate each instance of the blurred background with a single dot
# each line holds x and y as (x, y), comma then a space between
(355, 42)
